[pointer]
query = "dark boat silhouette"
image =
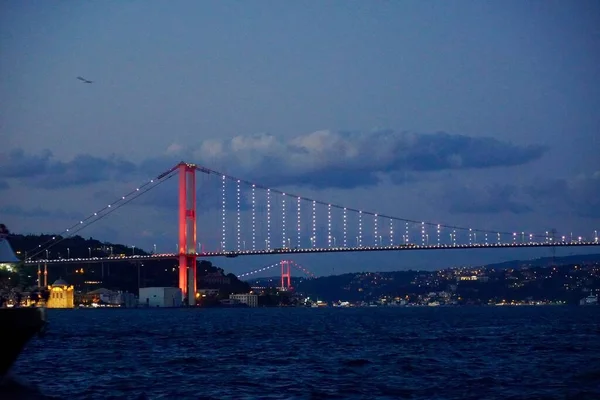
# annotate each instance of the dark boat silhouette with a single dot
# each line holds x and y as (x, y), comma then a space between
(18, 324)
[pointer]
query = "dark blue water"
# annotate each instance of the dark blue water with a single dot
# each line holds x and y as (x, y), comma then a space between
(368, 353)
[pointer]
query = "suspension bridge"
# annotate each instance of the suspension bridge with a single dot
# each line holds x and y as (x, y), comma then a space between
(254, 219)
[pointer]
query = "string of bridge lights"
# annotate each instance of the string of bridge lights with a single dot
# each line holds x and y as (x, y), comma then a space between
(454, 228)
(360, 229)
(298, 207)
(268, 267)
(345, 227)
(103, 212)
(224, 236)
(268, 219)
(253, 217)
(329, 225)
(314, 223)
(283, 235)
(257, 270)
(375, 229)
(239, 215)
(300, 267)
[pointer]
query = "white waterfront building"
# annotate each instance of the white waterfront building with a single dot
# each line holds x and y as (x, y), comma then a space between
(160, 297)
(250, 299)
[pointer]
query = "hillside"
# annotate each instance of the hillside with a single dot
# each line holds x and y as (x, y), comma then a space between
(568, 280)
(121, 275)
(547, 261)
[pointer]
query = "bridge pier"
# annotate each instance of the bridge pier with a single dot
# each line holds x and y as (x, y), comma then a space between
(187, 231)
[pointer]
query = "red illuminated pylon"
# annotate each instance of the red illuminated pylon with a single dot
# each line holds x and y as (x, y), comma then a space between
(286, 273)
(187, 231)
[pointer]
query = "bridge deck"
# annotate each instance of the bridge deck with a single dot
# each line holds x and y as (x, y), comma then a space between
(279, 251)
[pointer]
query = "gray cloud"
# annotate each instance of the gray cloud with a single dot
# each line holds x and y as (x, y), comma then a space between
(4, 185)
(577, 196)
(327, 159)
(46, 172)
(322, 159)
(580, 194)
(348, 160)
(37, 212)
(485, 199)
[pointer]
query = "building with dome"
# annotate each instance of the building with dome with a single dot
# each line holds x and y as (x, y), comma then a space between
(61, 295)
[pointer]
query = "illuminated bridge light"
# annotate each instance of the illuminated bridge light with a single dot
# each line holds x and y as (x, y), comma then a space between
(253, 217)
(314, 223)
(359, 244)
(268, 243)
(345, 227)
(283, 237)
(298, 208)
(238, 228)
(329, 225)
(223, 211)
(376, 235)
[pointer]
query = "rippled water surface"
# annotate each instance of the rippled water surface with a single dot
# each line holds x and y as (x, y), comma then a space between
(291, 353)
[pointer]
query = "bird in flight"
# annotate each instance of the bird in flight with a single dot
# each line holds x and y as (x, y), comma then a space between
(84, 80)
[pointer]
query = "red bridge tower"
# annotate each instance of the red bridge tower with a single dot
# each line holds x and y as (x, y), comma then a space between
(286, 274)
(187, 231)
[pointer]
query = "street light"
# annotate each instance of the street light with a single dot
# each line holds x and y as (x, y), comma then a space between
(132, 250)
(47, 256)
(68, 252)
(155, 249)
(90, 252)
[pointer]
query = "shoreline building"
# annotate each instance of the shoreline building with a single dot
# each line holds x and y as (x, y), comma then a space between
(160, 297)
(110, 298)
(61, 295)
(250, 299)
